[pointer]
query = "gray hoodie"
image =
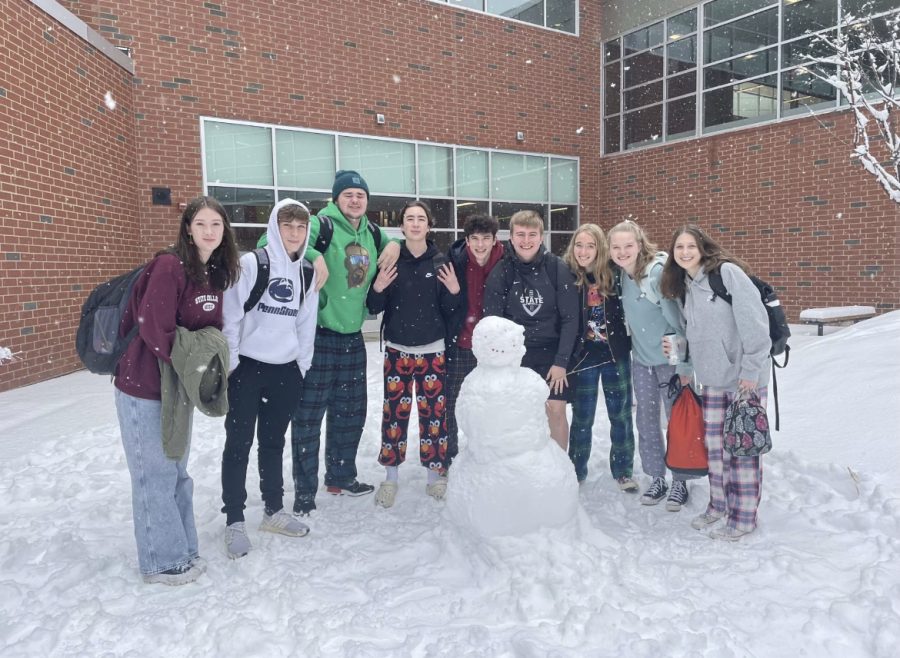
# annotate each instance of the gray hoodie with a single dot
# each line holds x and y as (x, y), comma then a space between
(727, 342)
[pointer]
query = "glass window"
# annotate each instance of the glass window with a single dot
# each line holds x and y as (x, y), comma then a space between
(740, 104)
(681, 117)
(472, 174)
(561, 15)
(643, 127)
(684, 23)
(442, 211)
(435, 170)
(643, 67)
(465, 208)
(801, 91)
(646, 95)
(563, 181)
(804, 50)
(680, 85)
(522, 177)
(613, 50)
(470, 4)
(682, 55)
(719, 11)
(238, 154)
(305, 160)
(248, 210)
(644, 38)
(611, 140)
(801, 17)
(388, 167)
(504, 210)
(315, 201)
(858, 8)
(559, 242)
(741, 36)
(740, 68)
(522, 10)
(613, 85)
(563, 218)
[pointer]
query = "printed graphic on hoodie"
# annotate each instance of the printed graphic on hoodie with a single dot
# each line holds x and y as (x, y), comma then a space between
(356, 260)
(281, 290)
(531, 301)
(596, 321)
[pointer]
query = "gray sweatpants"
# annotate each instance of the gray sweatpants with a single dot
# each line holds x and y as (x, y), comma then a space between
(648, 396)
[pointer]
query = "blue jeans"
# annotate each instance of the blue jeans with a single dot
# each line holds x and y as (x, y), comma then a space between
(161, 490)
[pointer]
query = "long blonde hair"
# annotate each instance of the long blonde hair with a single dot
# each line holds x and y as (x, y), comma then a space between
(600, 268)
(647, 250)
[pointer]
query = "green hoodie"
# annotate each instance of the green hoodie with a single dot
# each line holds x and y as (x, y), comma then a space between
(342, 301)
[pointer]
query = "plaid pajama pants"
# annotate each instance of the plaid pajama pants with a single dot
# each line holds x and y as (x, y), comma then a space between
(735, 483)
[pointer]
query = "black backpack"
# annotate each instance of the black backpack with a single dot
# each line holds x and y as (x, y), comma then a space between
(97, 340)
(262, 279)
(326, 232)
(779, 332)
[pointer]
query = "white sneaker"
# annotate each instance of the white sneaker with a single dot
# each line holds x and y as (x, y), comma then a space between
(706, 519)
(728, 533)
(437, 490)
(386, 494)
(627, 484)
(237, 543)
(283, 523)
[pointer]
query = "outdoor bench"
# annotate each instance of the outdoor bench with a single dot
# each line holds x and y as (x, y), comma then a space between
(835, 314)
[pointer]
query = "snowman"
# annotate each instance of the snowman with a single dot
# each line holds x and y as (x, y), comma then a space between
(511, 479)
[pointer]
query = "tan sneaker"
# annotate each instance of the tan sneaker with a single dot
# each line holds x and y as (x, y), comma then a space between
(386, 494)
(437, 490)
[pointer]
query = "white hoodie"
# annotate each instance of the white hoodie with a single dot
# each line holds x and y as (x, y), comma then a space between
(275, 331)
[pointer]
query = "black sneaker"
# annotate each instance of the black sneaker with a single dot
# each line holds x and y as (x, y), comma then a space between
(355, 488)
(655, 493)
(304, 504)
(678, 496)
(186, 573)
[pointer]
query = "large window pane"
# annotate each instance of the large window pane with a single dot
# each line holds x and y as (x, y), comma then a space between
(561, 15)
(612, 50)
(801, 91)
(563, 181)
(644, 67)
(472, 174)
(643, 127)
(684, 23)
(442, 211)
(740, 68)
(804, 16)
(644, 38)
(741, 36)
(388, 167)
(435, 170)
(720, 11)
(680, 85)
(520, 177)
(681, 117)
(611, 140)
(563, 218)
(248, 210)
(682, 55)
(740, 104)
(522, 10)
(238, 154)
(804, 50)
(612, 88)
(304, 160)
(470, 4)
(860, 8)
(646, 95)
(503, 210)
(466, 208)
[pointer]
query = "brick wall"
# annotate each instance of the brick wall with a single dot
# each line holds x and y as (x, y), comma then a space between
(435, 72)
(67, 207)
(786, 197)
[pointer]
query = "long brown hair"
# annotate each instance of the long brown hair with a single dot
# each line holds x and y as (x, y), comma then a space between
(647, 250)
(712, 255)
(600, 269)
(222, 269)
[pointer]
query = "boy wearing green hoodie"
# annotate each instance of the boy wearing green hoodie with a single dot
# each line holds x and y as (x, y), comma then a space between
(336, 382)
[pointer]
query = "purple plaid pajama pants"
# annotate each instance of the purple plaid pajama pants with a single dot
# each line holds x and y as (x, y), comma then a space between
(735, 483)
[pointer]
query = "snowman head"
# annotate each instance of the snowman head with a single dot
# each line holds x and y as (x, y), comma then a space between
(498, 342)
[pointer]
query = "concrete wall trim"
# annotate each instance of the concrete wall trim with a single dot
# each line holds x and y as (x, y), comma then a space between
(82, 31)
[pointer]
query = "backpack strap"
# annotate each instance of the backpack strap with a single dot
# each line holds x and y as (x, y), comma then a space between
(718, 286)
(326, 232)
(648, 292)
(262, 279)
(376, 234)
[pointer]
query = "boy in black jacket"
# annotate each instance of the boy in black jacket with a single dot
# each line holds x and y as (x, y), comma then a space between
(534, 288)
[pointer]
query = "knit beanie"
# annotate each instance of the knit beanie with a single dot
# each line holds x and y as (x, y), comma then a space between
(345, 179)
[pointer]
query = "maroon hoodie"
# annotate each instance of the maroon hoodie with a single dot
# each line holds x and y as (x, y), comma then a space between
(476, 276)
(163, 298)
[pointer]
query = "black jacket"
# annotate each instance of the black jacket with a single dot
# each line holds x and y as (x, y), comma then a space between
(416, 303)
(525, 293)
(616, 331)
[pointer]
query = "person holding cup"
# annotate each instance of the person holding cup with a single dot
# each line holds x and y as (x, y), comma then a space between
(652, 321)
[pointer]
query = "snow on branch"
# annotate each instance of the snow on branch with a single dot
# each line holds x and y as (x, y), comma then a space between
(864, 66)
(8, 356)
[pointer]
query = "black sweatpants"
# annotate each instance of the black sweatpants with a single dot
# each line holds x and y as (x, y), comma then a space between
(268, 393)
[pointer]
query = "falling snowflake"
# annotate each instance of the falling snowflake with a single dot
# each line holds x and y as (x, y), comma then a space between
(109, 100)
(396, 78)
(580, 130)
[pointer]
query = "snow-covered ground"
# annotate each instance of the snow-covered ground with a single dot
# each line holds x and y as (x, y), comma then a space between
(820, 576)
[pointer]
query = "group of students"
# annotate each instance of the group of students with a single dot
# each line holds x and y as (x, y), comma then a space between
(296, 355)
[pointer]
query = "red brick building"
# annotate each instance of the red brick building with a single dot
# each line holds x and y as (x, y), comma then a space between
(493, 110)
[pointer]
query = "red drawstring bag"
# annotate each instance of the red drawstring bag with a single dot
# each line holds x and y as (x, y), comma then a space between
(686, 454)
